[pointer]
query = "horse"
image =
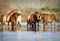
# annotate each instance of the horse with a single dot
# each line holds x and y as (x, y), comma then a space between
(47, 18)
(13, 20)
(5, 17)
(32, 20)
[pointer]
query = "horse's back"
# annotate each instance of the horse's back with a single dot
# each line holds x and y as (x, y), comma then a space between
(48, 17)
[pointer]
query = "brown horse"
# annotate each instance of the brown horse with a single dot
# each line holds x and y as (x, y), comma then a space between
(13, 20)
(47, 18)
(32, 20)
(5, 17)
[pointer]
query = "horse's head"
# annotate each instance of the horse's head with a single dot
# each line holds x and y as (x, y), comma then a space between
(31, 18)
(40, 17)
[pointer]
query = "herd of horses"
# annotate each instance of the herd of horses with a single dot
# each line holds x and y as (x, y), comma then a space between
(41, 18)
(32, 19)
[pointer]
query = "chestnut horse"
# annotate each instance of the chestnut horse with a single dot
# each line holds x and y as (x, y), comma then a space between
(5, 17)
(13, 20)
(47, 18)
(30, 21)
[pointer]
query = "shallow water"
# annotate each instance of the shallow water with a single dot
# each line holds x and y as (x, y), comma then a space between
(29, 36)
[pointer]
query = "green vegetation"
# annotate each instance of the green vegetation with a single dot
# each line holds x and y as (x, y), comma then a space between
(51, 9)
(46, 8)
(26, 11)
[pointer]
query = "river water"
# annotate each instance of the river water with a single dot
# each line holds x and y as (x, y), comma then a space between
(29, 36)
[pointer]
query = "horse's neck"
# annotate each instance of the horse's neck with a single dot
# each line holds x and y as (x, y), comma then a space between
(11, 13)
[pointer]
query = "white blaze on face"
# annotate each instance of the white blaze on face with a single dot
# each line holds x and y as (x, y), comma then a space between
(38, 17)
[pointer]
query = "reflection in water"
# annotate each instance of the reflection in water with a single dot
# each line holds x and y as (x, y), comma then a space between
(24, 27)
(29, 36)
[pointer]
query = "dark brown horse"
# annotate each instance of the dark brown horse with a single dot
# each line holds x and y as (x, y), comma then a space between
(32, 20)
(47, 18)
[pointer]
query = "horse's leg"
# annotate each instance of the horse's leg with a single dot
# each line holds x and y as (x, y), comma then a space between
(12, 27)
(8, 26)
(27, 26)
(30, 26)
(34, 26)
(8, 23)
(20, 24)
(38, 26)
(51, 26)
(44, 26)
(54, 26)
(3, 27)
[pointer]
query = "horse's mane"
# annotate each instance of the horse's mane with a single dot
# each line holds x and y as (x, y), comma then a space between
(12, 16)
(13, 11)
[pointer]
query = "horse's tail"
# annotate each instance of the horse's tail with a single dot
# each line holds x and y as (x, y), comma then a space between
(2, 19)
(56, 19)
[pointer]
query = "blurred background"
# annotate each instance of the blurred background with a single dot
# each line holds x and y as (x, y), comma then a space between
(30, 6)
